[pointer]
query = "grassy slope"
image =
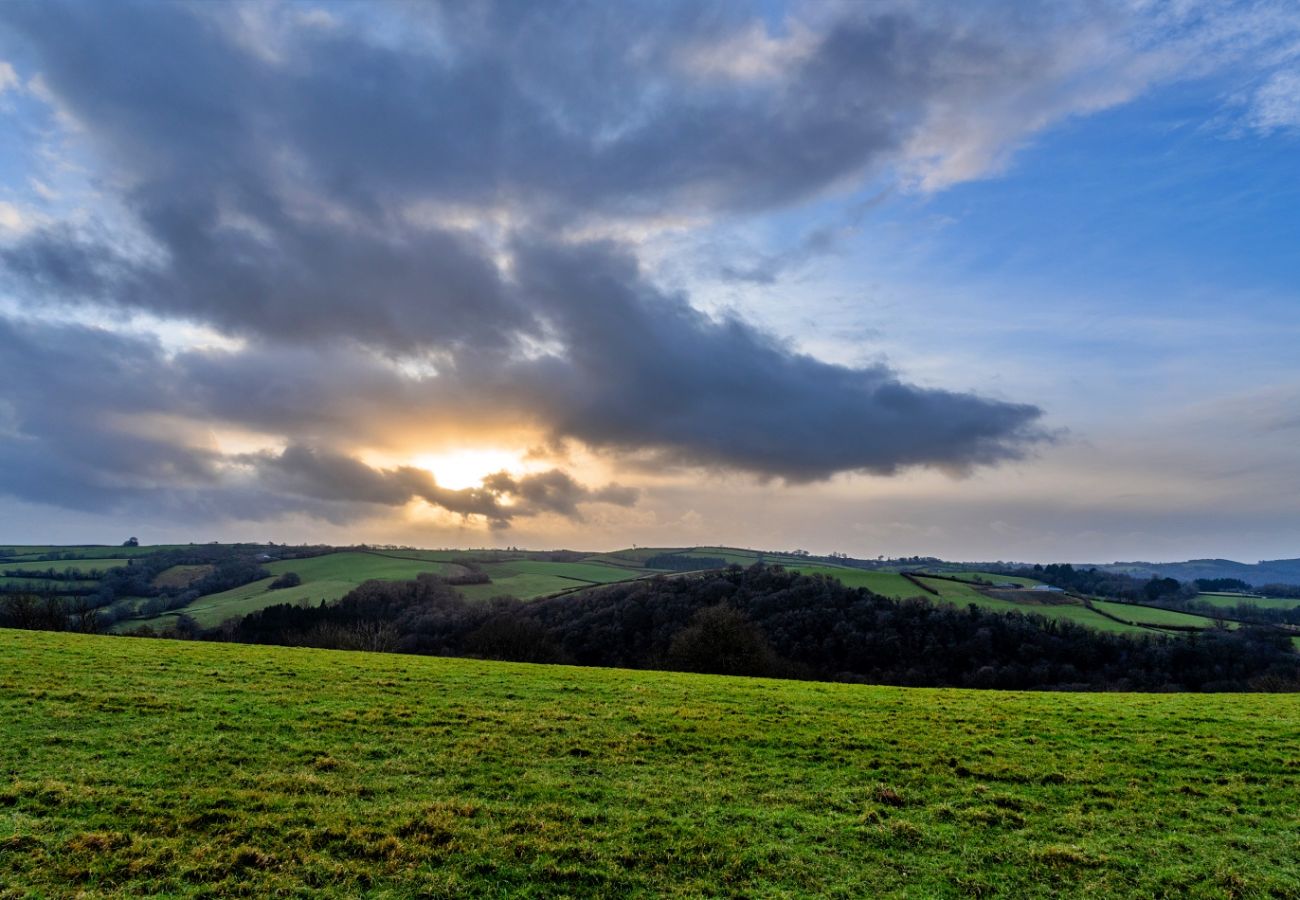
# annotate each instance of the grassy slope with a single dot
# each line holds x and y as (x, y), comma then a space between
(1066, 611)
(150, 767)
(76, 565)
(1228, 601)
(887, 584)
(87, 552)
(523, 586)
(994, 579)
(326, 577)
(1147, 615)
(591, 573)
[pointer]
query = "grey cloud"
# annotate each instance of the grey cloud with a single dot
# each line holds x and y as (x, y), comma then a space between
(556, 491)
(342, 204)
(65, 442)
(647, 370)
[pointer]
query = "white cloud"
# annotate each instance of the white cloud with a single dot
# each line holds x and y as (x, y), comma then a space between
(8, 77)
(1276, 105)
(12, 220)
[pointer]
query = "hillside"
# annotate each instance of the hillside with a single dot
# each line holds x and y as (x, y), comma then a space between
(185, 584)
(135, 766)
(1269, 571)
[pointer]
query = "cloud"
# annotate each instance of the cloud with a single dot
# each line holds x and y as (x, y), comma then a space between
(646, 371)
(98, 421)
(274, 164)
(1276, 104)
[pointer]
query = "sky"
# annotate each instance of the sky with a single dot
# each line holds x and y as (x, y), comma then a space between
(979, 281)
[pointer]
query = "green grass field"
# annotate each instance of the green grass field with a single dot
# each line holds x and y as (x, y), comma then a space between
(891, 585)
(26, 553)
(75, 565)
(132, 767)
(326, 577)
(1228, 601)
(993, 579)
(886, 584)
(525, 586)
(1146, 615)
(590, 573)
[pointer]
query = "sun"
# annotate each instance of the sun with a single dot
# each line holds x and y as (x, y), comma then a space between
(458, 469)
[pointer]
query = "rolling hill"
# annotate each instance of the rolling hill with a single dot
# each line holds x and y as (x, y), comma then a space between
(134, 767)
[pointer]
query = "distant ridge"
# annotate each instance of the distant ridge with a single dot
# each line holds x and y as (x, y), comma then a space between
(1269, 571)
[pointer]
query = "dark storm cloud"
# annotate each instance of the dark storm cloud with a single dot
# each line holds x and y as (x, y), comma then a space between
(647, 370)
(330, 476)
(84, 424)
(342, 197)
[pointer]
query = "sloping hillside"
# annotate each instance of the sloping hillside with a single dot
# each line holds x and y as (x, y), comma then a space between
(133, 767)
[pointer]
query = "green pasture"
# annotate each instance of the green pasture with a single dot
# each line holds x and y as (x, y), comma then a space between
(85, 566)
(588, 572)
(326, 577)
(158, 768)
(1228, 601)
(1148, 615)
(26, 553)
(992, 578)
(886, 584)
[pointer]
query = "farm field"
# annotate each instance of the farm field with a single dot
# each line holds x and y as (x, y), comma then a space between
(137, 767)
(1228, 601)
(523, 586)
(891, 585)
(581, 572)
(633, 556)
(81, 552)
(887, 584)
(326, 577)
(528, 580)
(993, 579)
(77, 565)
(1146, 615)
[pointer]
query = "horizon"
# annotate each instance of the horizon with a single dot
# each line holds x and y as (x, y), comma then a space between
(522, 548)
(899, 280)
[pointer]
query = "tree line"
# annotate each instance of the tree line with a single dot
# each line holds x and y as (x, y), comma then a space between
(768, 621)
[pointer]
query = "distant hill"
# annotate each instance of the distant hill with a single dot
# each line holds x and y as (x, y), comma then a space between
(1269, 571)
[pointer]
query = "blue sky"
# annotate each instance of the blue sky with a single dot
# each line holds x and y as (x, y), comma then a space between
(1023, 289)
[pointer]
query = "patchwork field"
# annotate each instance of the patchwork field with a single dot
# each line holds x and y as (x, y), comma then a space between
(1147, 615)
(326, 577)
(1228, 601)
(887, 584)
(991, 578)
(132, 767)
(86, 566)
(30, 553)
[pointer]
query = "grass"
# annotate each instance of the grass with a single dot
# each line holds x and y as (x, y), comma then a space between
(1228, 601)
(993, 579)
(84, 551)
(591, 573)
(896, 586)
(326, 577)
(886, 584)
(153, 767)
(76, 565)
(525, 586)
(1147, 615)
(182, 576)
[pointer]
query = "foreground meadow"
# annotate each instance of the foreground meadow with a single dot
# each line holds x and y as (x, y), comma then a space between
(133, 767)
